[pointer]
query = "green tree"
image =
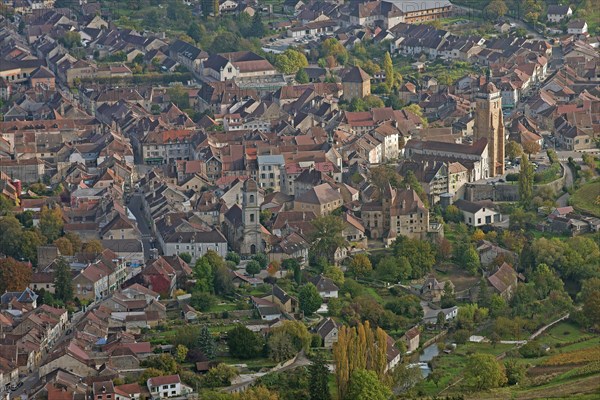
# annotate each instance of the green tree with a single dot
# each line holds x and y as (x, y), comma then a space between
(318, 382)
(388, 68)
(6, 205)
(253, 267)
(526, 175)
(419, 252)
(364, 385)
(194, 32)
(203, 273)
(51, 223)
(327, 236)
(309, 298)
(206, 343)
(297, 333)
(418, 111)
(334, 273)
(515, 371)
(258, 28)
(302, 76)
(243, 343)
(471, 260)
(234, 257)
(187, 257)
(63, 287)
(291, 61)
(513, 149)
(590, 299)
(219, 376)
(483, 372)
(70, 40)
(181, 353)
(280, 347)
(453, 214)
(449, 297)
(360, 266)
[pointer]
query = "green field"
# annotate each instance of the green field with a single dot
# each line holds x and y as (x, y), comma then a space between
(585, 198)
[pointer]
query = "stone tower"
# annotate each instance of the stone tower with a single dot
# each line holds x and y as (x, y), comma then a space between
(251, 239)
(489, 124)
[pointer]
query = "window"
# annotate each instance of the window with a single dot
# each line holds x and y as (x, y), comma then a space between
(172, 387)
(251, 217)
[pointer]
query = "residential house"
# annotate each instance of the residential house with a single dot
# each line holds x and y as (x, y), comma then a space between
(237, 65)
(478, 213)
(504, 281)
(328, 330)
(356, 84)
(577, 27)
(431, 316)
(325, 286)
(433, 289)
(557, 13)
(411, 339)
(166, 386)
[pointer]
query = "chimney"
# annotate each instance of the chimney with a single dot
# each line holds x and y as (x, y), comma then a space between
(403, 204)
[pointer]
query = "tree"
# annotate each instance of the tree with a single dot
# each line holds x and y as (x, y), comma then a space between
(51, 223)
(149, 373)
(483, 372)
(281, 347)
(327, 236)
(258, 28)
(497, 305)
(302, 76)
(70, 40)
(496, 8)
(526, 175)
(513, 149)
(203, 272)
(297, 332)
(590, 299)
(63, 287)
(194, 32)
(471, 260)
(309, 298)
(203, 301)
(290, 61)
(418, 111)
(187, 257)
(206, 343)
(484, 295)
(14, 275)
(30, 240)
(478, 235)
(418, 252)
(219, 376)
(388, 68)
(365, 385)
(163, 362)
(531, 147)
(318, 382)
(243, 343)
(234, 257)
(256, 393)
(449, 297)
(93, 247)
(334, 273)
(253, 267)
(453, 214)
(261, 259)
(273, 267)
(6, 205)
(384, 175)
(181, 353)
(515, 371)
(410, 181)
(64, 245)
(360, 266)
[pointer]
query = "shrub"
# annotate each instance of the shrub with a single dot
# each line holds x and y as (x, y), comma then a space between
(512, 177)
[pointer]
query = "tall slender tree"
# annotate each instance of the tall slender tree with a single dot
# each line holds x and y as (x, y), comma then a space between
(526, 182)
(318, 372)
(206, 343)
(63, 281)
(388, 68)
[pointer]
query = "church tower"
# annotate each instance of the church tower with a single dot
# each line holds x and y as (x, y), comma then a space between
(252, 198)
(489, 124)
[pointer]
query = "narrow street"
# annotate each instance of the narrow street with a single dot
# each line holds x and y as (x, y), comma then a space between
(135, 206)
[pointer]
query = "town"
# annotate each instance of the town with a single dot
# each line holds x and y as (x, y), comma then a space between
(287, 199)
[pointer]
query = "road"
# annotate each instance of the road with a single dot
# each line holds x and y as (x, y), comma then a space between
(563, 200)
(135, 206)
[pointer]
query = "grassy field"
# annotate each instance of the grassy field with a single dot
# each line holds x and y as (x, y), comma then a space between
(584, 199)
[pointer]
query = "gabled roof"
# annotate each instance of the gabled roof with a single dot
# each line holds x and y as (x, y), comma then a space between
(356, 75)
(503, 278)
(324, 284)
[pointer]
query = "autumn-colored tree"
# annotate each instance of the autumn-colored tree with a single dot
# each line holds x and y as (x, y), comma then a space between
(359, 348)
(93, 247)
(513, 150)
(14, 275)
(51, 222)
(75, 241)
(181, 353)
(478, 235)
(273, 267)
(360, 265)
(388, 67)
(531, 147)
(65, 246)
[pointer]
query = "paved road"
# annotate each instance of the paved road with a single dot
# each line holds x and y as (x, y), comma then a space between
(135, 206)
(563, 200)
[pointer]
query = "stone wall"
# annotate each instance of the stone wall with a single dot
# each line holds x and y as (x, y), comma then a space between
(499, 191)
